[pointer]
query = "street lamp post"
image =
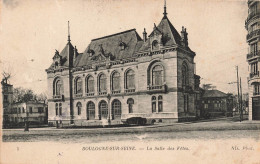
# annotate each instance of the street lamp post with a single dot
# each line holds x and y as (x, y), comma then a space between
(108, 100)
(26, 126)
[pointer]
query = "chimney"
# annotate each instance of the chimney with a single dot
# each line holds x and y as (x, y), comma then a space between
(144, 35)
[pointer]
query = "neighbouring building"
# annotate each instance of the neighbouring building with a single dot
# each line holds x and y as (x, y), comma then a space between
(252, 25)
(123, 75)
(7, 99)
(33, 111)
(216, 103)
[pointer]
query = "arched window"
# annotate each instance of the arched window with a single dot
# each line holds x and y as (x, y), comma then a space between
(184, 75)
(90, 111)
(115, 81)
(102, 83)
(57, 87)
(79, 105)
(60, 109)
(160, 103)
(90, 84)
(116, 109)
(153, 104)
(157, 75)
(57, 109)
(155, 45)
(103, 110)
(130, 79)
(130, 103)
(78, 85)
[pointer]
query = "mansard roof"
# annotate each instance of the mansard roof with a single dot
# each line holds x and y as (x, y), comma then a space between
(109, 47)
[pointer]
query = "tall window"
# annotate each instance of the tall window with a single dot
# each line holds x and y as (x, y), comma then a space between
(102, 83)
(60, 109)
(153, 104)
(79, 108)
(254, 67)
(157, 75)
(130, 79)
(57, 87)
(256, 89)
(254, 48)
(115, 81)
(160, 103)
(130, 103)
(78, 85)
(116, 109)
(103, 110)
(30, 110)
(90, 84)
(184, 75)
(90, 111)
(57, 109)
(186, 103)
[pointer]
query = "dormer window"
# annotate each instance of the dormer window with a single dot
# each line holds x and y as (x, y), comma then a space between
(155, 45)
(91, 53)
(122, 45)
(56, 64)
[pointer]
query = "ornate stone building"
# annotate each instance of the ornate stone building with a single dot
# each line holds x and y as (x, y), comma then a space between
(252, 25)
(123, 75)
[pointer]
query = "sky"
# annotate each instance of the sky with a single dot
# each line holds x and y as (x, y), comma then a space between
(30, 31)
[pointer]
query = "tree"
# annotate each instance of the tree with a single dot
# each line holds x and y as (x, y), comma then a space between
(23, 95)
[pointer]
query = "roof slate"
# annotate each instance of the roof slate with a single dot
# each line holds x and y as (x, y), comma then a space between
(214, 93)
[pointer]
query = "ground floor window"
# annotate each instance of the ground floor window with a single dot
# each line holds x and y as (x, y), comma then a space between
(130, 103)
(186, 103)
(153, 104)
(160, 104)
(90, 111)
(116, 109)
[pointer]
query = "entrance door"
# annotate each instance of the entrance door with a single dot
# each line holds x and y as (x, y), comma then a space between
(103, 110)
(256, 108)
(116, 109)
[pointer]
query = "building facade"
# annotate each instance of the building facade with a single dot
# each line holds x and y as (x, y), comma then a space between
(123, 75)
(7, 99)
(215, 103)
(252, 25)
(32, 111)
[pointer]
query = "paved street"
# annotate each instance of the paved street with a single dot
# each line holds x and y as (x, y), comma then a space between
(220, 129)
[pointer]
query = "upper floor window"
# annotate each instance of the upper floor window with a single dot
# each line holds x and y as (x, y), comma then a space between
(184, 74)
(90, 84)
(155, 45)
(130, 79)
(102, 83)
(254, 48)
(254, 67)
(78, 85)
(115, 81)
(254, 27)
(157, 75)
(58, 87)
